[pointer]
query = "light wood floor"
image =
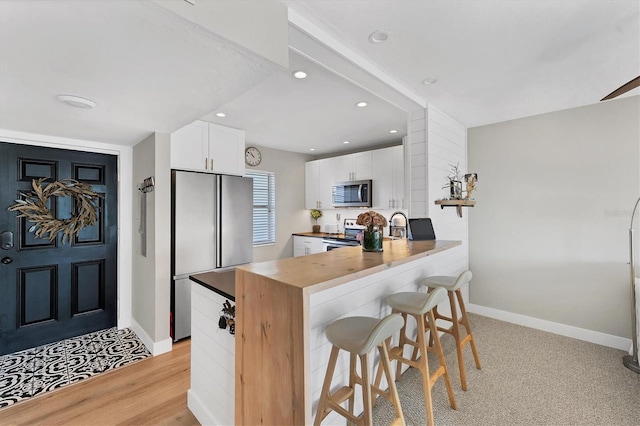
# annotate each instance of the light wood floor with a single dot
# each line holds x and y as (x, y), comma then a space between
(150, 392)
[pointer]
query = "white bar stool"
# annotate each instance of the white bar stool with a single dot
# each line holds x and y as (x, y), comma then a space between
(452, 285)
(420, 306)
(359, 336)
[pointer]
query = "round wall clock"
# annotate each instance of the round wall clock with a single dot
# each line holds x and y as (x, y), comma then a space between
(252, 156)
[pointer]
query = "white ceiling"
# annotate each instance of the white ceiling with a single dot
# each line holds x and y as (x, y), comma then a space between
(149, 70)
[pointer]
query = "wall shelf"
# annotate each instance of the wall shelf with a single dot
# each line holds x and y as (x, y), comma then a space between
(458, 204)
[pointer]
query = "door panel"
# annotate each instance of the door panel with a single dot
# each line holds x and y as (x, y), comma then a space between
(50, 290)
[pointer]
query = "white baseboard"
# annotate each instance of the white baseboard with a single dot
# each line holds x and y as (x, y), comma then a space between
(200, 410)
(124, 323)
(156, 348)
(553, 327)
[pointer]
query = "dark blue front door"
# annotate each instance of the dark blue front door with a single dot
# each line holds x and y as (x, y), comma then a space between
(49, 290)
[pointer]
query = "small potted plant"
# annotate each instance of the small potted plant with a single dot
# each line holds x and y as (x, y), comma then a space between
(315, 214)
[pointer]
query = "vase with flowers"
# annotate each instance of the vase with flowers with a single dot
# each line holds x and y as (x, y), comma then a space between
(315, 215)
(373, 223)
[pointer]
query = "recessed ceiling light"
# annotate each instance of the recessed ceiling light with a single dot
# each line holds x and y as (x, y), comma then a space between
(361, 104)
(76, 101)
(378, 36)
(299, 74)
(312, 149)
(393, 131)
(220, 114)
(428, 81)
(345, 142)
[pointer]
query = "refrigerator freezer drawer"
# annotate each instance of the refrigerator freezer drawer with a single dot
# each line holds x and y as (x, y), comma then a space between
(182, 311)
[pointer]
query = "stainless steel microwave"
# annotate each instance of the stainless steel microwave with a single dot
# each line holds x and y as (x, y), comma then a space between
(355, 193)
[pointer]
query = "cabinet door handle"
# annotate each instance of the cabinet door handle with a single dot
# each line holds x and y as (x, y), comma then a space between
(206, 160)
(212, 164)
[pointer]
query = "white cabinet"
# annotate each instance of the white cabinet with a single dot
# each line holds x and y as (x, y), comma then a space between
(388, 178)
(361, 165)
(190, 147)
(208, 147)
(356, 166)
(319, 177)
(312, 185)
(212, 391)
(303, 246)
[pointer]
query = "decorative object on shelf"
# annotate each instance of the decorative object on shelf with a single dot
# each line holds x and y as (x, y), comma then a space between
(228, 317)
(315, 215)
(470, 179)
(372, 233)
(455, 190)
(454, 183)
(34, 208)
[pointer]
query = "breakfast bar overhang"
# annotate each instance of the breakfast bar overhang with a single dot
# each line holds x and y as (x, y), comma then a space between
(283, 307)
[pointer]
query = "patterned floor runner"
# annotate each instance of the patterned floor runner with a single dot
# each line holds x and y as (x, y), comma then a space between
(37, 370)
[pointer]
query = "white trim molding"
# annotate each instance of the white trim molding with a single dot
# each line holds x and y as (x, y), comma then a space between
(603, 339)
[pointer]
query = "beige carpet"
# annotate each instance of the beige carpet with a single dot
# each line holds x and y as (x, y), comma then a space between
(528, 377)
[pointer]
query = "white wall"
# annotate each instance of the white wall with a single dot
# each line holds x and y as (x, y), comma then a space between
(152, 273)
(291, 215)
(549, 235)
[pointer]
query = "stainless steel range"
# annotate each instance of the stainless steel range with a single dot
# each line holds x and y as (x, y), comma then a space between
(348, 239)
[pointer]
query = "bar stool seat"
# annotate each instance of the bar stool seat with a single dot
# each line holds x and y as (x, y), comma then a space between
(359, 336)
(453, 287)
(420, 306)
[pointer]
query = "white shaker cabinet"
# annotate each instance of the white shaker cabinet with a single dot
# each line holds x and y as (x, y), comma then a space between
(303, 246)
(190, 147)
(350, 167)
(321, 175)
(208, 147)
(388, 178)
(319, 178)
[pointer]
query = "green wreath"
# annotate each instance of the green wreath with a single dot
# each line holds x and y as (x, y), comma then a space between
(34, 208)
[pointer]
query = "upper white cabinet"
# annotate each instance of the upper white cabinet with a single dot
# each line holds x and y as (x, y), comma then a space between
(384, 166)
(312, 185)
(208, 147)
(356, 166)
(388, 178)
(319, 178)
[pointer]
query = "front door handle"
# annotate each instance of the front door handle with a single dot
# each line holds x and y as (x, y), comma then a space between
(6, 240)
(6, 260)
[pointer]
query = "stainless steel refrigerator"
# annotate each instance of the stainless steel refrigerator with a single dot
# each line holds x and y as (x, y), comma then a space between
(212, 229)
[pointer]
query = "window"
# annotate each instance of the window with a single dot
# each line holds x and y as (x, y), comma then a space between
(264, 207)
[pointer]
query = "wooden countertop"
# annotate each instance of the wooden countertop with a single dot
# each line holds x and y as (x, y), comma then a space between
(223, 283)
(346, 264)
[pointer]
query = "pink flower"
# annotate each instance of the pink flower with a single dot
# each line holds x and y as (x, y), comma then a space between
(371, 218)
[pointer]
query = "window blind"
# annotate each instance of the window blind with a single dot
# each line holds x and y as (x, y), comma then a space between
(264, 207)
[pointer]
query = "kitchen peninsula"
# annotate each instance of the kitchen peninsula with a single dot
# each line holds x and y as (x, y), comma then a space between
(283, 307)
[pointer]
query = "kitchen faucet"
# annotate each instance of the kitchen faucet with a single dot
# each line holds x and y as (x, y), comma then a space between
(406, 224)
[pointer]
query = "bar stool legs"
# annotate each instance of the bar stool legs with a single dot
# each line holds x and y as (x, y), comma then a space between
(452, 285)
(420, 306)
(347, 334)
